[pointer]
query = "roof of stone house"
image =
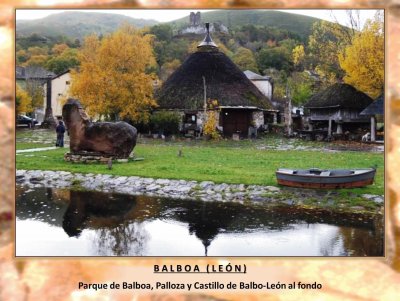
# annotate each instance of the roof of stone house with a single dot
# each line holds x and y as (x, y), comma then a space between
(375, 108)
(254, 76)
(32, 72)
(339, 95)
(61, 74)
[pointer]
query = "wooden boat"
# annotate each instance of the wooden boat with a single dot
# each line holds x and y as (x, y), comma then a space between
(326, 178)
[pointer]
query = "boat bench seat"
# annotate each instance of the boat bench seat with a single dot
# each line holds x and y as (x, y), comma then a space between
(325, 173)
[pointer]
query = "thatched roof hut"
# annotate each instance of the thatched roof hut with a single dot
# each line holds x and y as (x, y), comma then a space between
(225, 82)
(339, 107)
(339, 96)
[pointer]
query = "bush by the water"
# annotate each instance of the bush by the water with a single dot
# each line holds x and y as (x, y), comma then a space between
(166, 123)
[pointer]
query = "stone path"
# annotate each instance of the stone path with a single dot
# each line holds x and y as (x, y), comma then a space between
(29, 150)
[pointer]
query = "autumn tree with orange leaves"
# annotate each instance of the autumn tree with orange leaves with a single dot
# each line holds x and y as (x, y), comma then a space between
(112, 80)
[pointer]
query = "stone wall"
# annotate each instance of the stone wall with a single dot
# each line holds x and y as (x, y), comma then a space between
(88, 157)
(179, 189)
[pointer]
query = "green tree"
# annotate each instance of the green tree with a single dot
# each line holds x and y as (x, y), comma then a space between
(325, 43)
(279, 78)
(162, 32)
(21, 56)
(245, 60)
(168, 68)
(301, 87)
(166, 123)
(35, 91)
(276, 57)
(66, 60)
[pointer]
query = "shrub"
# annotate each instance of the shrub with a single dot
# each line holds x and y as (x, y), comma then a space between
(166, 123)
(210, 126)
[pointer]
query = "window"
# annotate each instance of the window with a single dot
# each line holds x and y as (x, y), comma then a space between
(190, 118)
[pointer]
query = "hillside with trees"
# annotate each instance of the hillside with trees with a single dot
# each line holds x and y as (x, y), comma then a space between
(77, 25)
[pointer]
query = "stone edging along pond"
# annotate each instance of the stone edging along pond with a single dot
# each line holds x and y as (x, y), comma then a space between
(181, 189)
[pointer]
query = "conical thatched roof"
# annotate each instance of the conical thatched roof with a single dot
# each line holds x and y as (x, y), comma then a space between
(339, 95)
(224, 80)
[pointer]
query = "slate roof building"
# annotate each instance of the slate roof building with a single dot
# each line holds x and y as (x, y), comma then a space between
(263, 83)
(210, 74)
(374, 110)
(338, 108)
(22, 74)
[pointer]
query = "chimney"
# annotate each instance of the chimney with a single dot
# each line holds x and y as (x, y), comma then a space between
(48, 116)
(208, 43)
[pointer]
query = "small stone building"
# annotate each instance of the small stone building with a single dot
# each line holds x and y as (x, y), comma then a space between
(210, 74)
(337, 109)
(60, 84)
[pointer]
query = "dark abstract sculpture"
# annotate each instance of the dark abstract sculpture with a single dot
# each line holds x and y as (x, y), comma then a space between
(115, 139)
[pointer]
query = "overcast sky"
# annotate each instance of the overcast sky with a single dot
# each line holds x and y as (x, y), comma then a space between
(165, 15)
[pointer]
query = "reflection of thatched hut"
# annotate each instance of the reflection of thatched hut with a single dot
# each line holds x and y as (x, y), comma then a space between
(211, 73)
(338, 107)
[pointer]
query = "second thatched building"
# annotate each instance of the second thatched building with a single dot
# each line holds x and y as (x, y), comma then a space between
(210, 74)
(337, 109)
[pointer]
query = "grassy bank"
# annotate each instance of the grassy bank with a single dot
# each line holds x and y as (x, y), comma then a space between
(246, 165)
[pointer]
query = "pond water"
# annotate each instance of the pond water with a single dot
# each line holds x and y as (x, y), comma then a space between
(59, 222)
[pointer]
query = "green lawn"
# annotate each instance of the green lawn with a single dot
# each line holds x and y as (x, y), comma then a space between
(246, 165)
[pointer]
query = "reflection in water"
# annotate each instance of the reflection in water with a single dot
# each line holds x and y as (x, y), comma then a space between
(85, 204)
(123, 240)
(62, 222)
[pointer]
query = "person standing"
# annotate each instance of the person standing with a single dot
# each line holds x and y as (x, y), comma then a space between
(60, 130)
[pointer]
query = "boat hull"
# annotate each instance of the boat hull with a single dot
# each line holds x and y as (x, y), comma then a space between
(359, 178)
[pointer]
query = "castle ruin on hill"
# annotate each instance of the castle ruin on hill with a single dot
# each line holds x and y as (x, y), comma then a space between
(196, 26)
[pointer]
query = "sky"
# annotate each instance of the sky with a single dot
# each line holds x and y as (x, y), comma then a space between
(163, 15)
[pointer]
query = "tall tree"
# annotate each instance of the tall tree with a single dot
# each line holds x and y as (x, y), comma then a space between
(363, 60)
(34, 88)
(277, 57)
(23, 102)
(299, 55)
(168, 68)
(112, 79)
(245, 60)
(300, 85)
(325, 42)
